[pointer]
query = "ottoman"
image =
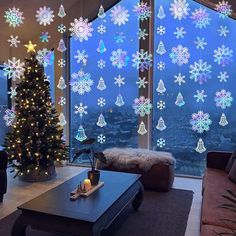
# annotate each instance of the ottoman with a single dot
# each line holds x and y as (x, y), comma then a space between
(156, 168)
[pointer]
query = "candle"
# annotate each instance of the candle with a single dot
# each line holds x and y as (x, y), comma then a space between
(87, 184)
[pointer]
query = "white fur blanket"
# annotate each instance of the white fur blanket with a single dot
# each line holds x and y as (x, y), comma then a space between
(124, 158)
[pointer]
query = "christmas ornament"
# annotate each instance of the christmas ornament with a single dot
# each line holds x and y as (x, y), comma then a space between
(61, 46)
(142, 60)
(101, 102)
(44, 37)
(119, 80)
(161, 14)
(13, 40)
(119, 15)
(101, 13)
(161, 143)
(14, 69)
(180, 79)
(142, 129)
(161, 124)
(142, 106)
(223, 55)
(223, 120)
(62, 119)
(101, 47)
(101, 138)
(200, 146)
(200, 43)
(180, 32)
(14, 17)
(223, 99)
(30, 46)
(180, 100)
(81, 109)
(61, 12)
(101, 121)
(81, 57)
(142, 82)
(101, 84)
(61, 83)
(179, 9)
(119, 58)
(200, 96)
(119, 100)
(200, 122)
(161, 48)
(161, 87)
(142, 11)
(9, 117)
(44, 16)
(81, 136)
(179, 55)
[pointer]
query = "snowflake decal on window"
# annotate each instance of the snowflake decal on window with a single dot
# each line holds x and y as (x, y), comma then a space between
(61, 28)
(119, 37)
(81, 57)
(101, 138)
(161, 30)
(180, 32)
(14, 17)
(101, 102)
(13, 40)
(200, 122)
(142, 11)
(12, 92)
(101, 64)
(81, 29)
(200, 71)
(42, 57)
(142, 106)
(200, 43)
(119, 15)
(161, 65)
(200, 18)
(81, 109)
(61, 62)
(161, 142)
(119, 80)
(223, 76)
(142, 60)
(119, 58)
(223, 99)
(223, 55)
(179, 55)
(62, 101)
(44, 37)
(142, 82)
(81, 82)
(142, 34)
(179, 9)
(179, 79)
(9, 117)
(161, 105)
(224, 9)
(14, 69)
(223, 31)
(101, 29)
(200, 96)
(44, 16)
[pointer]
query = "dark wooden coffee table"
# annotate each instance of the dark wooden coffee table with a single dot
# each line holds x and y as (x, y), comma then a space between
(54, 212)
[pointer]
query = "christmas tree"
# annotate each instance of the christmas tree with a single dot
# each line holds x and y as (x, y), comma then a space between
(34, 142)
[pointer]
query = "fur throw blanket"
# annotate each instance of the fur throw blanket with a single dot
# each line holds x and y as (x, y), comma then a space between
(124, 158)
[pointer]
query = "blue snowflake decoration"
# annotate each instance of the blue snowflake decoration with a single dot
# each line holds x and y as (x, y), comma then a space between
(223, 31)
(180, 32)
(81, 82)
(224, 9)
(223, 76)
(200, 122)
(14, 17)
(142, 106)
(44, 37)
(223, 99)
(200, 18)
(142, 11)
(119, 37)
(223, 55)
(200, 43)
(179, 55)
(119, 58)
(200, 96)
(200, 71)
(142, 60)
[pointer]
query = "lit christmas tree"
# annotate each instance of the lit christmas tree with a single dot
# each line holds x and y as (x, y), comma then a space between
(35, 138)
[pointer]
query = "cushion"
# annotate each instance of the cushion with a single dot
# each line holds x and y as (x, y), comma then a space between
(232, 173)
(230, 162)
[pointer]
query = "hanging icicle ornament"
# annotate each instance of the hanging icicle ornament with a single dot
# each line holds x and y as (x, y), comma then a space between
(61, 12)
(101, 84)
(119, 100)
(223, 120)
(101, 47)
(180, 100)
(61, 46)
(61, 84)
(62, 120)
(81, 136)
(161, 14)
(142, 129)
(200, 146)
(161, 124)
(101, 121)
(101, 13)
(161, 87)
(161, 48)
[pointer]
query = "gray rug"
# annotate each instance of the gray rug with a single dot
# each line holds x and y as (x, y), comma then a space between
(161, 214)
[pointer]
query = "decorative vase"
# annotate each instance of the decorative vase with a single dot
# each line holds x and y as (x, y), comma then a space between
(94, 176)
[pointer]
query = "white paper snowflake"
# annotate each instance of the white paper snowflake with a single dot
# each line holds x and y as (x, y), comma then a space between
(12, 92)
(142, 34)
(81, 57)
(142, 82)
(223, 55)
(81, 29)
(119, 15)
(142, 60)
(161, 105)
(161, 65)
(142, 11)
(44, 16)
(200, 96)
(62, 101)
(9, 117)
(179, 9)
(81, 82)
(101, 102)
(180, 32)
(13, 40)
(200, 18)
(81, 109)
(61, 28)
(223, 31)
(14, 17)
(161, 142)
(200, 43)
(119, 58)
(101, 138)
(14, 69)
(101, 29)
(101, 64)
(119, 80)
(142, 106)
(179, 55)
(223, 99)
(179, 79)
(223, 76)
(161, 30)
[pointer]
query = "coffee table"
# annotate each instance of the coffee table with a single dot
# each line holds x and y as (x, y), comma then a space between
(54, 212)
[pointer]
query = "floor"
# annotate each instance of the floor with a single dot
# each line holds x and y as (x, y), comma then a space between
(15, 196)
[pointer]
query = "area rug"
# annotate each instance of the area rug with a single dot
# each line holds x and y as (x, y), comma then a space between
(161, 214)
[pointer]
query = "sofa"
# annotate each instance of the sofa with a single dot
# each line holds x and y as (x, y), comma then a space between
(215, 183)
(3, 174)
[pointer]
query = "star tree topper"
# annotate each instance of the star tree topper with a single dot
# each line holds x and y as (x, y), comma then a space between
(30, 46)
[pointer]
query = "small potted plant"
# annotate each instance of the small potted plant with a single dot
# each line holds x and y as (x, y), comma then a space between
(93, 174)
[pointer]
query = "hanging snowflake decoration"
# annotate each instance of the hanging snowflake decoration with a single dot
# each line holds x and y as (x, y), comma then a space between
(101, 138)
(161, 65)
(223, 31)
(61, 28)
(81, 29)
(180, 32)
(142, 11)
(101, 102)
(61, 62)
(42, 57)
(62, 101)
(200, 71)
(142, 106)
(200, 43)
(142, 60)
(12, 92)
(224, 9)
(179, 79)
(119, 37)
(161, 105)
(14, 17)
(179, 55)
(200, 122)
(81, 82)
(200, 96)
(179, 9)
(13, 40)
(142, 82)
(223, 76)
(101, 64)
(119, 80)
(223, 99)
(81, 109)
(81, 57)
(44, 16)
(9, 117)
(14, 69)
(119, 15)
(223, 55)
(44, 37)
(142, 34)
(101, 29)
(200, 18)
(119, 58)
(161, 142)
(161, 30)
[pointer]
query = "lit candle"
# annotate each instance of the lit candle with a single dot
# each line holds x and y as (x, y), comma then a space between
(87, 184)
